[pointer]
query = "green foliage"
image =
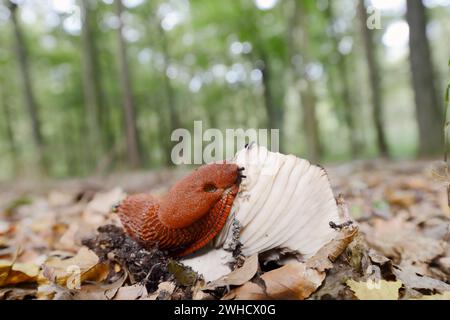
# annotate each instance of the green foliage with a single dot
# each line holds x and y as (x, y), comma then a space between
(181, 56)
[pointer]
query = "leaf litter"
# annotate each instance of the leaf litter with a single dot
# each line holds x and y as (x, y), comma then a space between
(65, 243)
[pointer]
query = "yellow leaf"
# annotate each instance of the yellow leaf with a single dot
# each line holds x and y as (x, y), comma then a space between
(375, 290)
(14, 273)
(73, 271)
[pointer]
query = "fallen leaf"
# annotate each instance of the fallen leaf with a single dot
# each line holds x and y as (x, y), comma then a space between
(238, 276)
(12, 273)
(445, 264)
(326, 255)
(415, 281)
(401, 198)
(67, 240)
(52, 291)
(57, 198)
(133, 292)
(199, 294)
(400, 239)
(164, 291)
(102, 291)
(375, 290)
(293, 281)
(296, 280)
(443, 296)
(103, 201)
(74, 271)
(16, 293)
(95, 213)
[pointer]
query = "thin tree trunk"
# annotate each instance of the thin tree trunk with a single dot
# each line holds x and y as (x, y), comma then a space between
(299, 39)
(274, 110)
(9, 128)
(349, 107)
(308, 99)
(30, 100)
(428, 112)
(91, 85)
(269, 104)
(174, 119)
(76, 162)
(133, 153)
(170, 94)
(374, 78)
(349, 114)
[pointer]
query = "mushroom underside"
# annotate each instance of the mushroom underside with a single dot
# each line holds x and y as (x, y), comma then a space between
(285, 205)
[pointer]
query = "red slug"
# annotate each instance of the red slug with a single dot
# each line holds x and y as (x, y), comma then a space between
(185, 219)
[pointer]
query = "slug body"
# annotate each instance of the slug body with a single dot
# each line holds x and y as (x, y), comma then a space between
(185, 219)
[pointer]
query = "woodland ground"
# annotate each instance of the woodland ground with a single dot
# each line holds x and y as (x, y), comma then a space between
(401, 209)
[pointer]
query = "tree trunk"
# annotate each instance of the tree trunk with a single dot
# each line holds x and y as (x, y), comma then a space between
(9, 128)
(428, 112)
(274, 111)
(313, 145)
(349, 107)
(30, 100)
(131, 133)
(299, 39)
(347, 103)
(174, 119)
(91, 84)
(272, 116)
(374, 79)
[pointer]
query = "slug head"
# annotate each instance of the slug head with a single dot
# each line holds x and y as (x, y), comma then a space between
(194, 196)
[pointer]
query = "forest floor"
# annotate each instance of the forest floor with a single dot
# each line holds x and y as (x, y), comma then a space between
(401, 209)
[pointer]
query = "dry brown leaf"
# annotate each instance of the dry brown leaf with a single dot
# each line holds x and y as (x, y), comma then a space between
(296, 280)
(164, 292)
(57, 198)
(103, 201)
(52, 291)
(67, 240)
(238, 276)
(444, 263)
(74, 271)
(401, 198)
(96, 291)
(400, 239)
(95, 213)
(325, 257)
(199, 294)
(12, 273)
(90, 292)
(415, 281)
(16, 293)
(99, 291)
(293, 281)
(443, 296)
(133, 292)
(375, 290)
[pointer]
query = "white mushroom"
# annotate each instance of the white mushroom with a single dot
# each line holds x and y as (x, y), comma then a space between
(284, 202)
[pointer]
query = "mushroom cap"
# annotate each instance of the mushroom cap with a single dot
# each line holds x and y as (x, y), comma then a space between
(283, 203)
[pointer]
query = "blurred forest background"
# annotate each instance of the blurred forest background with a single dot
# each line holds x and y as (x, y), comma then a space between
(96, 86)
